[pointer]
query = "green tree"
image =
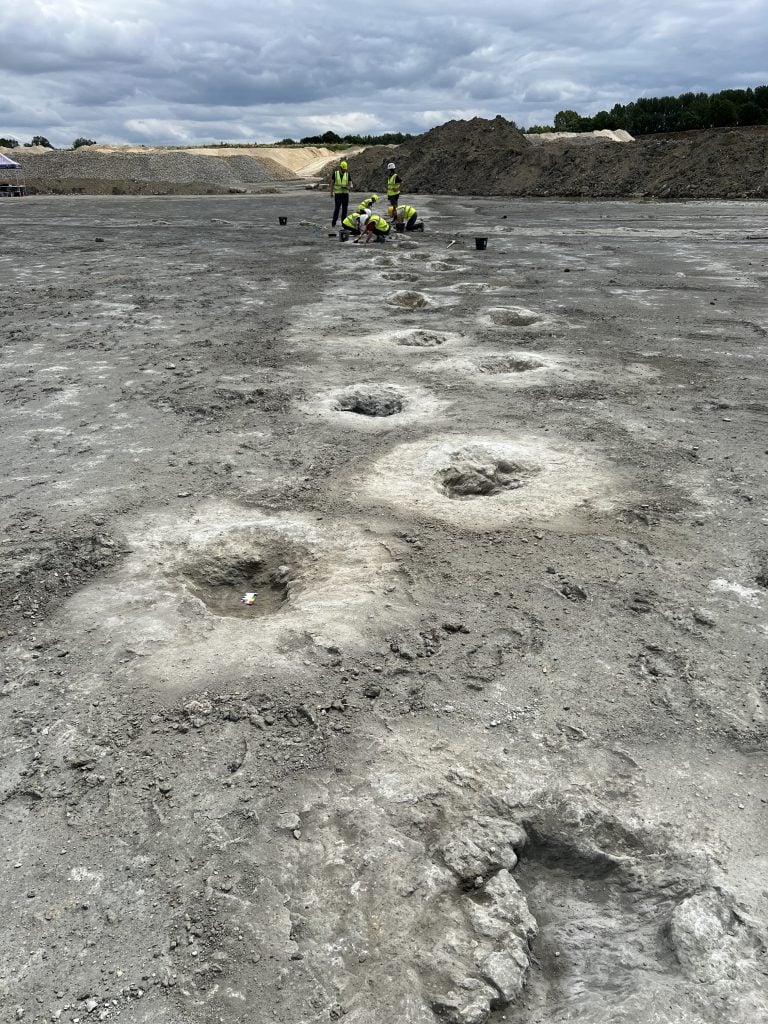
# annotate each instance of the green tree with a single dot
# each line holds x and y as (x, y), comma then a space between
(83, 142)
(567, 121)
(751, 113)
(9, 143)
(723, 112)
(40, 140)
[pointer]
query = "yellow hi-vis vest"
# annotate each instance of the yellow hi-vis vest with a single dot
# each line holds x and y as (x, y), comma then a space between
(352, 222)
(405, 212)
(393, 186)
(340, 182)
(366, 204)
(379, 223)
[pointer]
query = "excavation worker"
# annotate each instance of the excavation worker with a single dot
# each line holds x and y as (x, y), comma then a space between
(352, 222)
(340, 186)
(394, 185)
(367, 203)
(375, 227)
(404, 217)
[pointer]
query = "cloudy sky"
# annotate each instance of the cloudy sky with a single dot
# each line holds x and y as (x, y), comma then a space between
(180, 71)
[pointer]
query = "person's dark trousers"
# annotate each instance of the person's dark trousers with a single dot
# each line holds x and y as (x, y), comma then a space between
(411, 225)
(340, 204)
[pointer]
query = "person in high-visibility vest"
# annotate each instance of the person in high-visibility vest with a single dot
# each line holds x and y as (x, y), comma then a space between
(394, 185)
(405, 218)
(366, 204)
(352, 222)
(374, 227)
(340, 186)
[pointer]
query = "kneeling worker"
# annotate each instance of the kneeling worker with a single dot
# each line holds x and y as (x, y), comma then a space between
(404, 217)
(352, 222)
(374, 227)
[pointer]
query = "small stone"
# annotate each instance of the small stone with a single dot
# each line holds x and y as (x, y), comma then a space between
(372, 691)
(289, 821)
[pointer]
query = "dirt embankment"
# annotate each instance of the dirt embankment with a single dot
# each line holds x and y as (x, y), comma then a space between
(144, 170)
(477, 157)
(482, 157)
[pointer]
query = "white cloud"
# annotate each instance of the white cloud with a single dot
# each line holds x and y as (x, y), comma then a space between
(157, 71)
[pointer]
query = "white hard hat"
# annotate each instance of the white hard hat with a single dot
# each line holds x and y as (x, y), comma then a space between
(390, 167)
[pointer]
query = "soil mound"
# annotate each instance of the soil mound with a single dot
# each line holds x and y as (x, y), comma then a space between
(482, 157)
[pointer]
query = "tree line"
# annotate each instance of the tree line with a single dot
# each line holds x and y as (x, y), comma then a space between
(326, 139)
(40, 140)
(729, 108)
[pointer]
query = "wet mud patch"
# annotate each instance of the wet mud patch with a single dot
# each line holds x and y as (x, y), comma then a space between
(173, 614)
(522, 477)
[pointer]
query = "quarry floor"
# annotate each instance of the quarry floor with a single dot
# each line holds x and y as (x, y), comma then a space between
(490, 742)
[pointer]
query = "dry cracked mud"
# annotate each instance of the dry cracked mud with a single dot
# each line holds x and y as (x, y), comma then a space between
(489, 741)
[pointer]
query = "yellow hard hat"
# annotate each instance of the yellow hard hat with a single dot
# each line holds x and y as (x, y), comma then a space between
(392, 211)
(343, 165)
(375, 198)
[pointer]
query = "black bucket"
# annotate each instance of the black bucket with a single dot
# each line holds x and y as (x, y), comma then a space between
(481, 243)
(400, 228)
(343, 236)
(283, 220)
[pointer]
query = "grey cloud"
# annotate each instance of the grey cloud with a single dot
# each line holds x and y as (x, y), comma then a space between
(266, 73)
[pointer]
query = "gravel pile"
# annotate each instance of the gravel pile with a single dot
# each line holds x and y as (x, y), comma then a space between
(173, 167)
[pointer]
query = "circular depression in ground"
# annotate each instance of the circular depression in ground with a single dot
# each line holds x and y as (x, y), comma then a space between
(375, 406)
(177, 601)
(482, 480)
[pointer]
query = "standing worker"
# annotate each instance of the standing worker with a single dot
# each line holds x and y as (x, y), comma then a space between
(340, 186)
(394, 185)
(404, 218)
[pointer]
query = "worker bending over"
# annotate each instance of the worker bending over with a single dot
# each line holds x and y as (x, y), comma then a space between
(373, 227)
(352, 222)
(404, 218)
(367, 203)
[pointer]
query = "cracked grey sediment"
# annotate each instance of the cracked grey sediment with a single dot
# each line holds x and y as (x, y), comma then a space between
(490, 755)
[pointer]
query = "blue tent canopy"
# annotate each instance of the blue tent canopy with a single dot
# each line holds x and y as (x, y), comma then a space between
(6, 162)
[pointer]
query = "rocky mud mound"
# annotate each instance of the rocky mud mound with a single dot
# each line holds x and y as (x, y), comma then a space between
(483, 157)
(476, 157)
(93, 170)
